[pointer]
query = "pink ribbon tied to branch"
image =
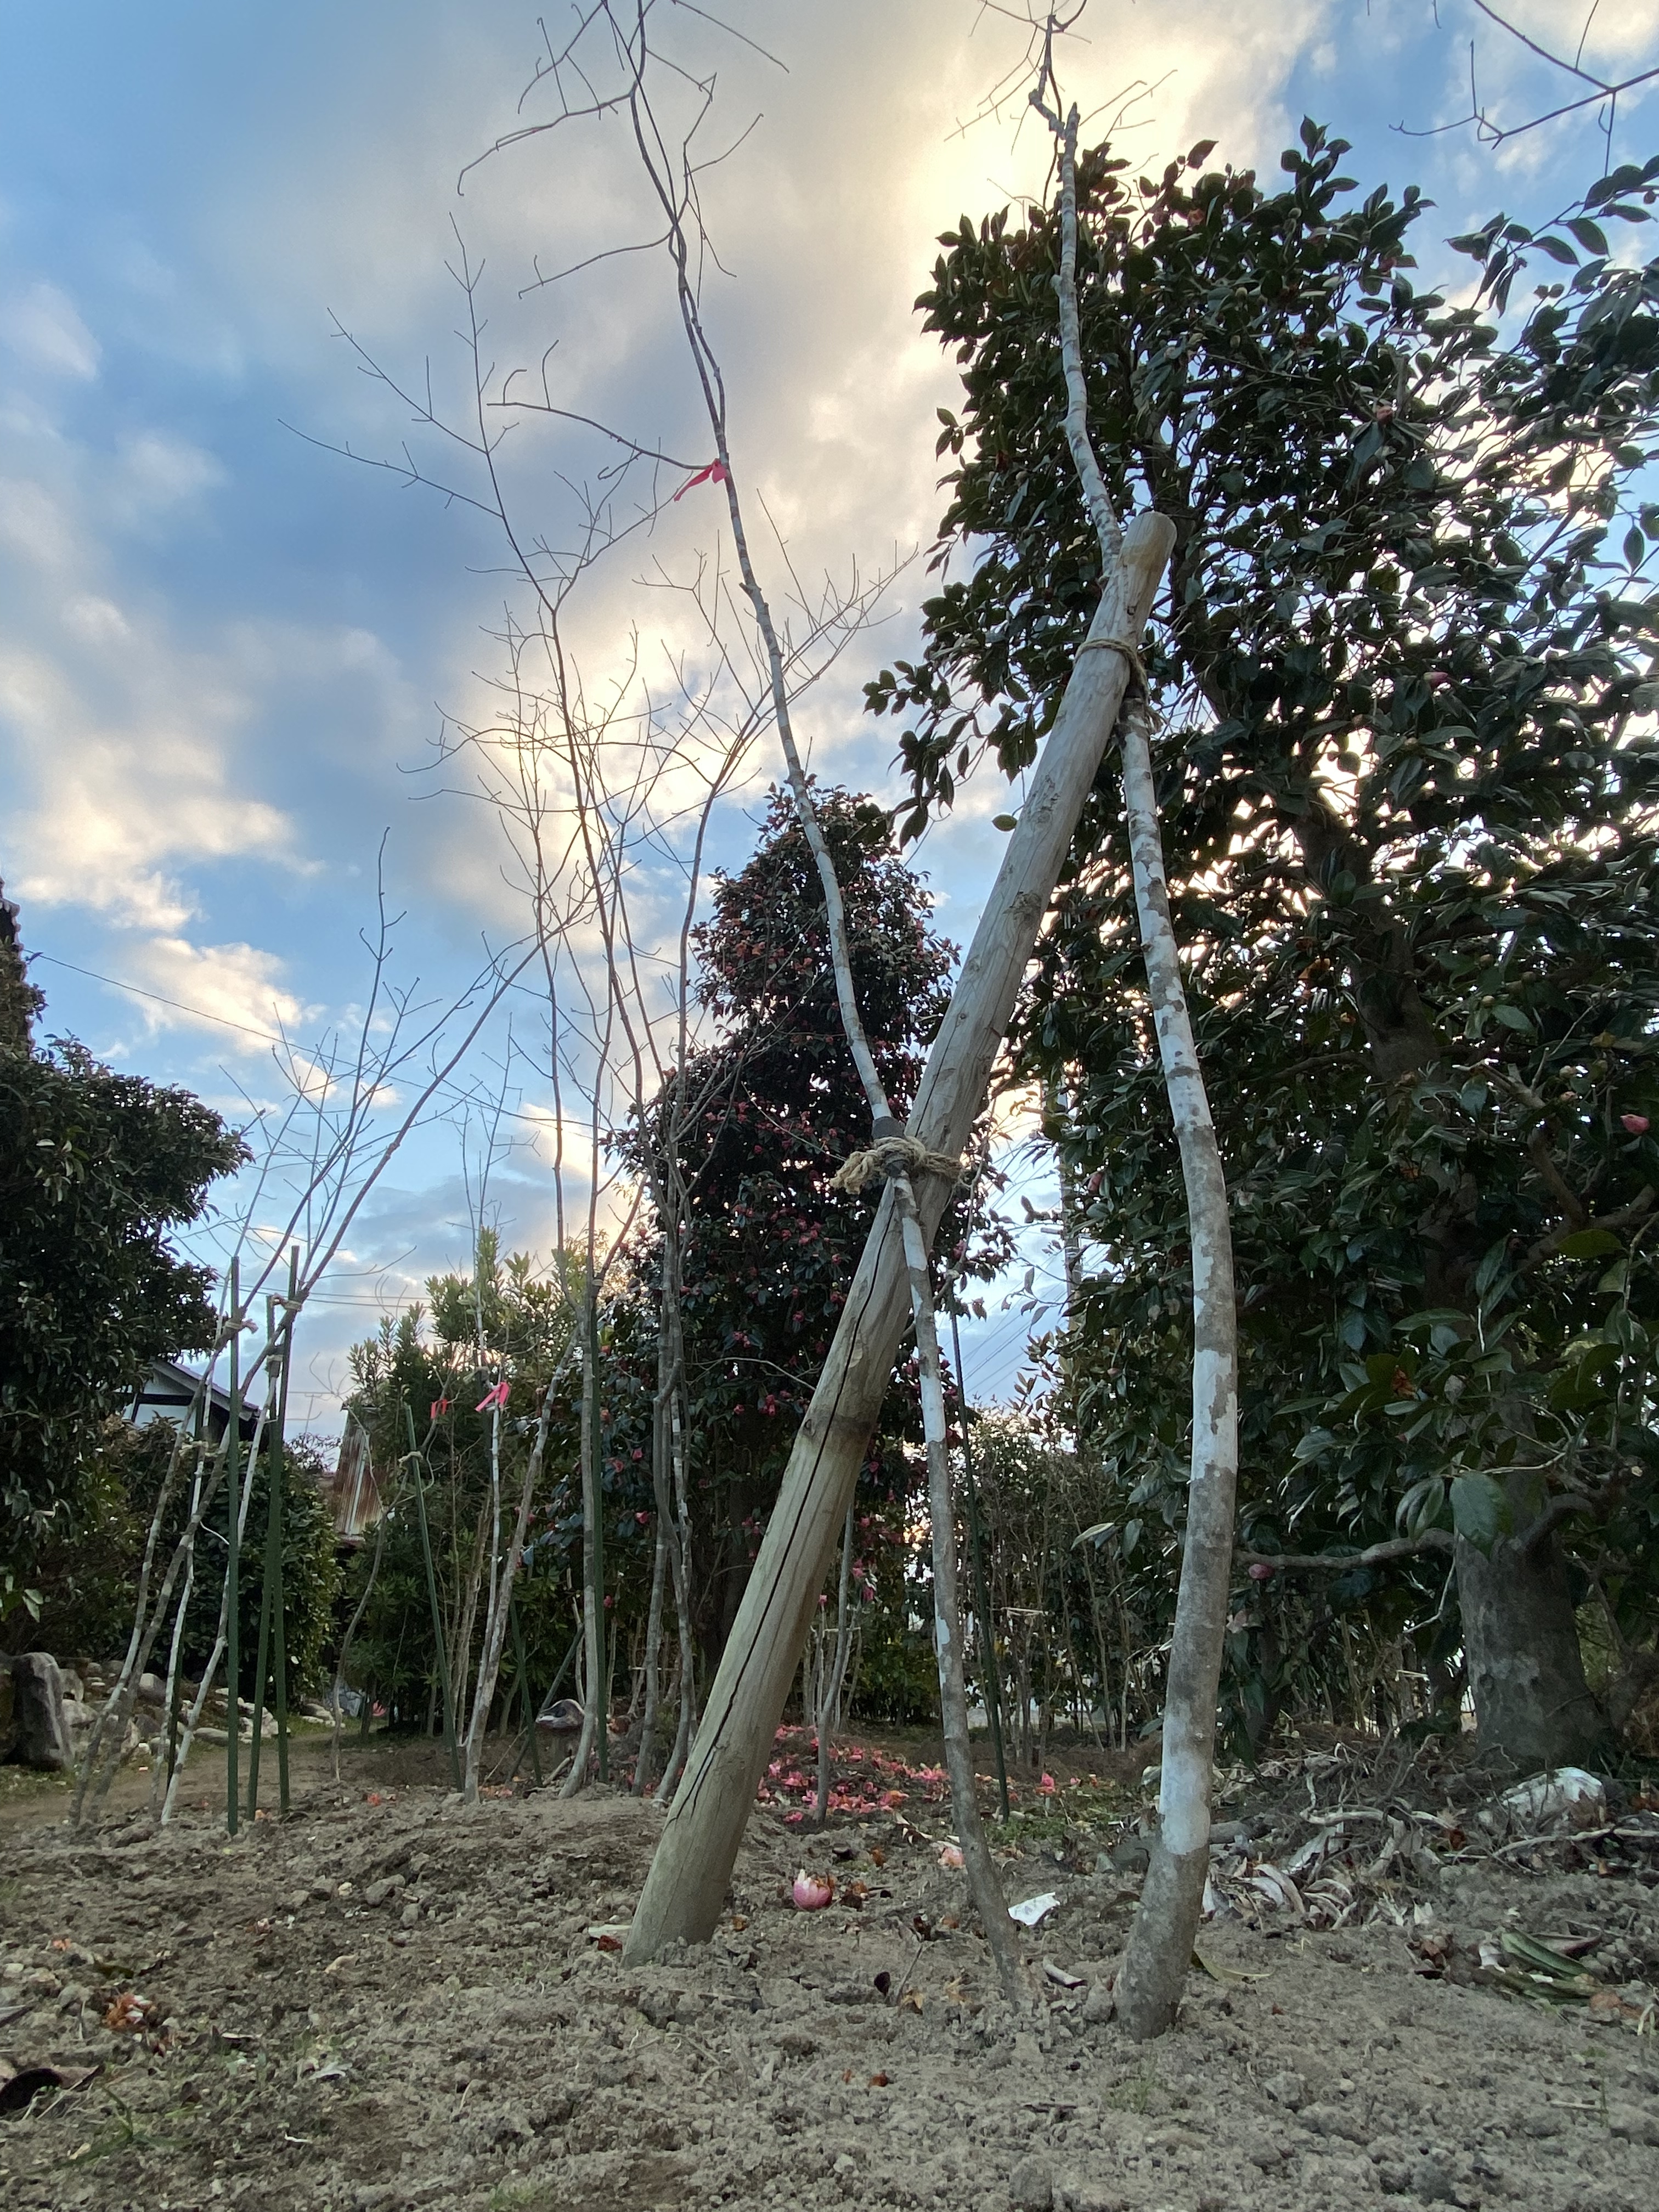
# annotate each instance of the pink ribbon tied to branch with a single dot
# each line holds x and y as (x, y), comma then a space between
(714, 473)
(493, 1398)
(440, 1408)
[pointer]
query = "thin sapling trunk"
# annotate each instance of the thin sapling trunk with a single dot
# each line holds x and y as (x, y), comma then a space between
(1161, 1939)
(983, 1885)
(832, 1677)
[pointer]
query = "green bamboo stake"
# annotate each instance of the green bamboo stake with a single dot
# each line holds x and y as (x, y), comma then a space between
(262, 1662)
(438, 1636)
(232, 1620)
(981, 1599)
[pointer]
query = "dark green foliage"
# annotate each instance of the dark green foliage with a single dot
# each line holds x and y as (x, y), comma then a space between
(895, 1675)
(1408, 785)
(770, 1248)
(311, 1570)
(95, 1169)
(20, 999)
(86, 1563)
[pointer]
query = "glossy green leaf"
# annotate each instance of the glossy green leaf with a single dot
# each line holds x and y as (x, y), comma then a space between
(1589, 1244)
(1480, 1511)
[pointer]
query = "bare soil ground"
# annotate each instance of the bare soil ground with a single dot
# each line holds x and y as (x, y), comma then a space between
(387, 2001)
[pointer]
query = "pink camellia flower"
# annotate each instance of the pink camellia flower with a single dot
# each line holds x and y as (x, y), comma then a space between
(813, 1892)
(491, 1399)
(949, 1854)
(1047, 1785)
(1636, 1123)
(1261, 1572)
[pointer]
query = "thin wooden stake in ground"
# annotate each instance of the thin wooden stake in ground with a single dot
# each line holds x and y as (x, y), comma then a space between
(687, 1884)
(233, 1556)
(984, 1887)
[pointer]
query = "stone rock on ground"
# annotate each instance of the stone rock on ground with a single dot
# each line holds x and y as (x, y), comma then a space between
(38, 1729)
(1030, 2187)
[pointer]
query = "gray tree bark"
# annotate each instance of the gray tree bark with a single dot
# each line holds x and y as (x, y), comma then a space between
(1532, 1706)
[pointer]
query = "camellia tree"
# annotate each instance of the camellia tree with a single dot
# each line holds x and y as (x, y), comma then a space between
(97, 1170)
(769, 1245)
(1407, 779)
(422, 1389)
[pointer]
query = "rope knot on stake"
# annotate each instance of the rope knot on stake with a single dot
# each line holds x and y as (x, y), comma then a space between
(1126, 646)
(893, 1154)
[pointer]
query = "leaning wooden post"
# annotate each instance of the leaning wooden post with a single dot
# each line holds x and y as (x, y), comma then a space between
(686, 1886)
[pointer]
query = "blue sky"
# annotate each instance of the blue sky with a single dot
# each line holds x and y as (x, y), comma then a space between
(225, 652)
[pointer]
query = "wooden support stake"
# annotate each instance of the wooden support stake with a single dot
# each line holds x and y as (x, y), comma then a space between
(686, 1887)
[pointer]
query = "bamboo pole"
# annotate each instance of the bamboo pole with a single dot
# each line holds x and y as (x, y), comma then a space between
(687, 1883)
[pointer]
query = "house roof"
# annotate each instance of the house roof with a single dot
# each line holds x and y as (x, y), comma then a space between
(169, 1391)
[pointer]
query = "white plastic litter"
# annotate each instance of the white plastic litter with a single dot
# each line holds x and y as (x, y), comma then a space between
(1034, 1909)
(1556, 1790)
(1061, 1977)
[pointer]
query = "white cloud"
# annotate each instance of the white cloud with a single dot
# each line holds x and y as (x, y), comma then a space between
(156, 473)
(43, 329)
(239, 984)
(36, 524)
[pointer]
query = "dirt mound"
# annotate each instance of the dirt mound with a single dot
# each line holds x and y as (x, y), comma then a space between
(386, 2001)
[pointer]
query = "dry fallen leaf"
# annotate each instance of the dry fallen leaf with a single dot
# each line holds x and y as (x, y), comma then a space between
(20, 2085)
(129, 2013)
(877, 2081)
(739, 1922)
(911, 2001)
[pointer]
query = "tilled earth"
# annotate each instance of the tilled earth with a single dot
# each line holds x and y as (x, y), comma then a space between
(386, 2000)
